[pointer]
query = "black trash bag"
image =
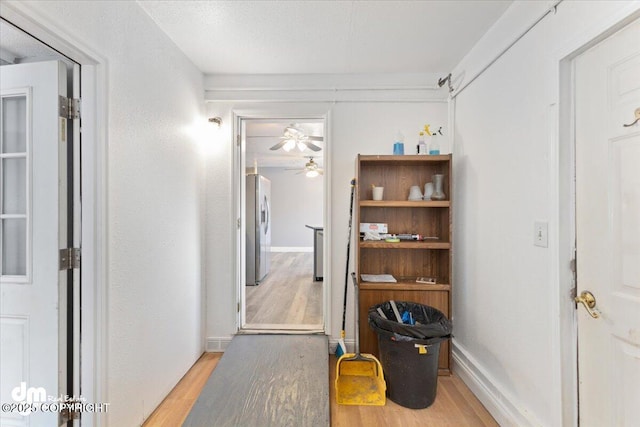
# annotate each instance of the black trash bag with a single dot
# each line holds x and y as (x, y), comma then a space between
(430, 322)
(409, 353)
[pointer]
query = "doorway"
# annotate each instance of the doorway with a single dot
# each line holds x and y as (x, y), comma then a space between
(39, 205)
(91, 219)
(282, 193)
(578, 209)
(607, 152)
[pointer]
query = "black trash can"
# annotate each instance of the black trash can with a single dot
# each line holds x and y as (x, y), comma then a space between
(409, 353)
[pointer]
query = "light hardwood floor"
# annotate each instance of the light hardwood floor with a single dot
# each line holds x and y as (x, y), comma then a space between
(455, 405)
(288, 295)
(176, 406)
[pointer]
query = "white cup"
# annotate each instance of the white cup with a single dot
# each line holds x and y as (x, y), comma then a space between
(415, 193)
(428, 190)
(377, 193)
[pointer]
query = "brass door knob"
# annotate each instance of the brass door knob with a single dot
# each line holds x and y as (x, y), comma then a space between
(636, 113)
(587, 299)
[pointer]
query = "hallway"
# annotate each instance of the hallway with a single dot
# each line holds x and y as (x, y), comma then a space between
(163, 94)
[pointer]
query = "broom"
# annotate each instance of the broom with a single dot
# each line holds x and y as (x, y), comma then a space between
(341, 348)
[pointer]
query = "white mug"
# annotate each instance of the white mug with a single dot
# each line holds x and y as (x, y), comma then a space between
(377, 193)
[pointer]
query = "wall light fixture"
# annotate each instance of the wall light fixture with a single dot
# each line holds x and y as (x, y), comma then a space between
(216, 120)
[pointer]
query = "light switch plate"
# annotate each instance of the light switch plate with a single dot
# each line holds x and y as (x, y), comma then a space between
(541, 234)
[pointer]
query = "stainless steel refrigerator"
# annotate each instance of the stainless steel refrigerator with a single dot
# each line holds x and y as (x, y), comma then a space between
(258, 228)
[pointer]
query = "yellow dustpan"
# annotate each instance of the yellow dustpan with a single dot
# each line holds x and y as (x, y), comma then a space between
(359, 377)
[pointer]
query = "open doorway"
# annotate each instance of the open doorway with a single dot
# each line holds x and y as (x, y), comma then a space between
(282, 186)
(39, 213)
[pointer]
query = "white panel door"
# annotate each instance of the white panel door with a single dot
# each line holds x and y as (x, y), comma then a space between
(33, 217)
(608, 229)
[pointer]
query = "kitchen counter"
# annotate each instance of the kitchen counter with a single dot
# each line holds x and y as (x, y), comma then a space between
(318, 245)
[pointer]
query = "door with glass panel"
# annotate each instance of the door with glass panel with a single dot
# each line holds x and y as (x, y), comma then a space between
(32, 230)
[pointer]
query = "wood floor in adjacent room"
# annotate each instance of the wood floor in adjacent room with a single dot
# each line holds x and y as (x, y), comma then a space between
(455, 405)
(288, 295)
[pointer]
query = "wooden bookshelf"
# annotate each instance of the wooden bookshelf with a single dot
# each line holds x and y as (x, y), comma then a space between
(405, 260)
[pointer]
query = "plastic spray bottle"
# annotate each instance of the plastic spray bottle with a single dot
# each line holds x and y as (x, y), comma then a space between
(422, 147)
(434, 148)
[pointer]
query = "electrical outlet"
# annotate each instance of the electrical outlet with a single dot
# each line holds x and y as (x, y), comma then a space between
(541, 234)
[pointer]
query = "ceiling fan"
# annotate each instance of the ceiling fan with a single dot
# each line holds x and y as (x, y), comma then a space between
(295, 137)
(311, 169)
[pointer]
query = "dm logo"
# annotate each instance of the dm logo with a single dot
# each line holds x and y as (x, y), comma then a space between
(28, 395)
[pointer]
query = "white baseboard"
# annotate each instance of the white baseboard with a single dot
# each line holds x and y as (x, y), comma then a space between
(217, 344)
(350, 344)
(498, 402)
(291, 249)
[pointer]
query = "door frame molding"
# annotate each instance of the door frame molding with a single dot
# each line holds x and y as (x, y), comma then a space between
(561, 117)
(94, 235)
(277, 113)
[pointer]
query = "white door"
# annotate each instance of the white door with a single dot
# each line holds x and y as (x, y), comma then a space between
(608, 229)
(33, 228)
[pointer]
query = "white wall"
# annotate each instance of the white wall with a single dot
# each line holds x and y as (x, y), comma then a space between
(155, 200)
(355, 127)
(509, 168)
(295, 202)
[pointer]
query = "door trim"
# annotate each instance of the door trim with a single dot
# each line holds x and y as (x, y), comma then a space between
(292, 113)
(93, 351)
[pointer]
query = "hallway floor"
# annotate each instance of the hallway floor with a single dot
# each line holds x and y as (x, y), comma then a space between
(288, 295)
(455, 405)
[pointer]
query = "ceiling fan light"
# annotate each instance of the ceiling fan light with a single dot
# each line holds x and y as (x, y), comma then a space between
(301, 146)
(312, 173)
(289, 145)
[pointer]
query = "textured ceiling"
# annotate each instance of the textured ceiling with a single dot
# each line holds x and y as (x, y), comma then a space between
(320, 37)
(17, 46)
(302, 37)
(307, 37)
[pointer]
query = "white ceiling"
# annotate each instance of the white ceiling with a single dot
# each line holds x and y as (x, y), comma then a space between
(320, 37)
(300, 37)
(16, 46)
(306, 37)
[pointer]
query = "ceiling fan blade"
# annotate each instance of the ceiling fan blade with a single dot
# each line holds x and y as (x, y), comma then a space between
(279, 145)
(311, 146)
(315, 138)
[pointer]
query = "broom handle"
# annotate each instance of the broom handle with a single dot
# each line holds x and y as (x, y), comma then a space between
(357, 314)
(346, 270)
